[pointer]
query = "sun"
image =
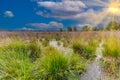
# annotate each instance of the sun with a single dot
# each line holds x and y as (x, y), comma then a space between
(114, 8)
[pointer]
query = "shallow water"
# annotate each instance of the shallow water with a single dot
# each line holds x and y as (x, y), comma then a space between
(93, 70)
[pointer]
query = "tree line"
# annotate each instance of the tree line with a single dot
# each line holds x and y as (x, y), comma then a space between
(111, 26)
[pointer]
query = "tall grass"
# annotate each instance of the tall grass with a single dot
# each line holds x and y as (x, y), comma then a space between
(57, 66)
(112, 48)
(20, 61)
(87, 50)
(111, 54)
(17, 61)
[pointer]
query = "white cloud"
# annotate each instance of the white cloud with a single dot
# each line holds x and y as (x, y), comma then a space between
(97, 3)
(69, 9)
(61, 10)
(86, 11)
(50, 25)
(8, 14)
(64, 6)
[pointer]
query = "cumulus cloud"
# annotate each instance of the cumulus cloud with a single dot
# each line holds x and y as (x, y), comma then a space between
(96, 3)
(43, 26)
(61, 10)
(64, 6)
(8, 14)
(86, 11)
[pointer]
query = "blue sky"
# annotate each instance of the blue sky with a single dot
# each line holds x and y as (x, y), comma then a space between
(50, 14)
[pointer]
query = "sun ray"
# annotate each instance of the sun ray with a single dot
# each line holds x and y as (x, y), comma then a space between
(102, 15)
(112, 10)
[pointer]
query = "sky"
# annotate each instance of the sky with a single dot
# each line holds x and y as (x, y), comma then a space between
(51, 14)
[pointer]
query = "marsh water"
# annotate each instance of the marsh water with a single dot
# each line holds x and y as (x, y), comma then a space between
(93, 70)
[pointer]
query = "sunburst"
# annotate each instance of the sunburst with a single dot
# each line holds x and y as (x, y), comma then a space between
(110, 12)
(114, 8)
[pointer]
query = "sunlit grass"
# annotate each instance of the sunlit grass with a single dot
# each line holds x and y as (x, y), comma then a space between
(87, 50)
(57, 66)
(21, 61)
(36, 60)
(112, 48)
(15, 63)
(111, 57)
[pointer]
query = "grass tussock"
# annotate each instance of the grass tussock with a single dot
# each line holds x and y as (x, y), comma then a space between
(87, 50)
(111, 56)
(57, 66)
(20, 61)
(112, 48)
(15, 63)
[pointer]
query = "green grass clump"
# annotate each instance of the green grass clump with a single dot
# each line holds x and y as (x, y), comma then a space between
(52, 66)
(35, 50)
(20, 61)
(85, 50)
(112, 49)
(111, 56)
(110, 68)
(15, 63)
(57, 66)
(76, 66)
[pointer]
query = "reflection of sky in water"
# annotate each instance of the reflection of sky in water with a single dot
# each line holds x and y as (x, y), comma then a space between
(94, 69)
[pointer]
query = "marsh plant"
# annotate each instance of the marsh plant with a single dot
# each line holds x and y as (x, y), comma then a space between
(111, 58)
(87, 51)
(21, 61)
(57, 66)
(31, 57)
(112, 48)
(17, 60)
(15, 63)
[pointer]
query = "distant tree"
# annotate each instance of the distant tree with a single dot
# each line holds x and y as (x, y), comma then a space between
(101, 28)
(61, 29)
(95, 28)
(113, 25)
(69, 28)
(85, 28)
(74, 28)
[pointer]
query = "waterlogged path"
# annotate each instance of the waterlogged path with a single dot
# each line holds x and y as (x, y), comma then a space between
(93, 70)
